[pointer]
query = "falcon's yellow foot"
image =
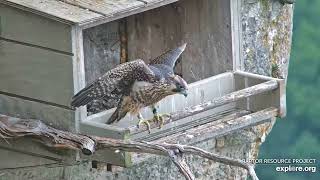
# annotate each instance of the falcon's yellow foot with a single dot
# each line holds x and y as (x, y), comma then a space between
(160, 119)
(146, 122)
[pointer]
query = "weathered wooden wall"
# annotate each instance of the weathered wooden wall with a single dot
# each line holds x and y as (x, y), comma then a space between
(101, 46)
(35, 64)
(204, 25)
(36, 82)
(34, 29)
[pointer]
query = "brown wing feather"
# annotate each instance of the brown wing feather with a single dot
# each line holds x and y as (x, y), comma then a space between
(114, 83)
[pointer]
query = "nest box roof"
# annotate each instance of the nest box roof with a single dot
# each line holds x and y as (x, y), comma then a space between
(84, 12)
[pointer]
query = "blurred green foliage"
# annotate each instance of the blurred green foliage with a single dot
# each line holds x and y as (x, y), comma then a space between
(298, 135)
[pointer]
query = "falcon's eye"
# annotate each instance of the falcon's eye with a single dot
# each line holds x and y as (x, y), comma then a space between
(179, 86)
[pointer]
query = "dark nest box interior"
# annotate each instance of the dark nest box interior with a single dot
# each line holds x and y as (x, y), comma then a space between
(57, 47)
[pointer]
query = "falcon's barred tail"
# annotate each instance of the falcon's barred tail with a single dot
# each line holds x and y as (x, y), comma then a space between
(117, 115)
(82, 98)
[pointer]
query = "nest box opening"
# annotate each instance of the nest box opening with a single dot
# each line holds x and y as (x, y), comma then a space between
(204, 25)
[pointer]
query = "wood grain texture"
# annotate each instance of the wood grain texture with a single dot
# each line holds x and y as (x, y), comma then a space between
(275, 98)
(107, 7)
(213, 116)
(54, 9)
(231, 123)
(87, 13)
(78, 72)
(153, 32)
(30, 154)
(236, 35)
(101, 46)
(207, 28)
(30, 28)
(145, 6)
(36, 73)
(24, 154)
(204, 25)
(115, 9)
(56, 117)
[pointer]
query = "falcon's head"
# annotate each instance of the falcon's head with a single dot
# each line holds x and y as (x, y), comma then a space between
(163, 66)
(178, 85)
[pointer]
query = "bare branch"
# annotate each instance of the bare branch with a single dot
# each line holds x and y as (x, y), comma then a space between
(15, 127)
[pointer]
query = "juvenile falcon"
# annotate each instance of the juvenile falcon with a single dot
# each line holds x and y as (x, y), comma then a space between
(137, 85)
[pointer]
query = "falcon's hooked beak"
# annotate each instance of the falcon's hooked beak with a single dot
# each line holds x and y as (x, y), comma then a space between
(183, 92)
(181, 86)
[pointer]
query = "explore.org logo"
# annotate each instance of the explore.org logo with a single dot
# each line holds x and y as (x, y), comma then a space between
(287, 164)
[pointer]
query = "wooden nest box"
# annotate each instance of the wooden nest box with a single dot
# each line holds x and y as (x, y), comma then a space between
(50, 49)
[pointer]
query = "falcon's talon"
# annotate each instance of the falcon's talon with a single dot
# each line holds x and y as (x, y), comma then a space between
(160, 119)
(146, 122)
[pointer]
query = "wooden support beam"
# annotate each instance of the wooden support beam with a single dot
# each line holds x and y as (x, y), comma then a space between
(123, 35)
(231, 97)
(15, 127)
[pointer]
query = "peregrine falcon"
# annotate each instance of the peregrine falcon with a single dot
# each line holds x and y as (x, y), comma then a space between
(136, 85)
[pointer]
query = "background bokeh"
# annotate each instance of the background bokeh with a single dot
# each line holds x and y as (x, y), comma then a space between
(298, 135)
